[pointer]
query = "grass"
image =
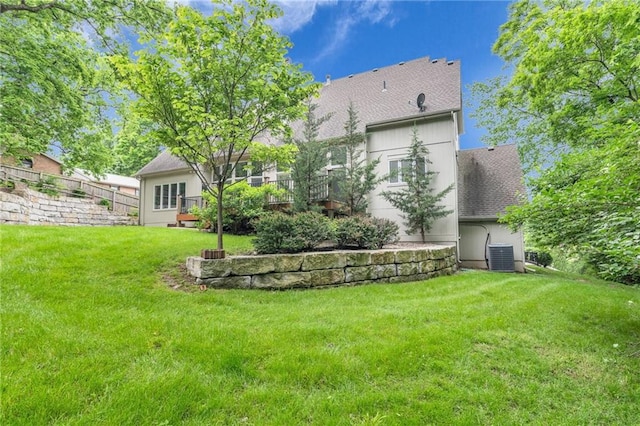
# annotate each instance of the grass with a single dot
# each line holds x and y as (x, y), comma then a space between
(92, 334)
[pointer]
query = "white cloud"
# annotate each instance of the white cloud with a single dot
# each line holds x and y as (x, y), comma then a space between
(297, 13)
(374, 11)
(351, 14)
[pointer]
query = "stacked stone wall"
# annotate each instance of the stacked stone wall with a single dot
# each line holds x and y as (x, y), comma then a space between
(324, 269)
(25, 206)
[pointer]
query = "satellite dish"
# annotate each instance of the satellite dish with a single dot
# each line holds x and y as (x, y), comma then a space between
(421, 102)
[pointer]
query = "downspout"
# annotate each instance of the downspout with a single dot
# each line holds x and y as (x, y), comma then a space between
(455, 182)
(141, 194)
(455, 133)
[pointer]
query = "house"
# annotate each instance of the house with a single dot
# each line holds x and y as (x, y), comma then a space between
(126, 184)
(390, 102)
(163, 181)
(40, 163)
(489, 180)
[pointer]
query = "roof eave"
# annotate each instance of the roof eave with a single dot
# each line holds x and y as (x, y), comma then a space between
(417, 117)
(477, 218)
(140, 175)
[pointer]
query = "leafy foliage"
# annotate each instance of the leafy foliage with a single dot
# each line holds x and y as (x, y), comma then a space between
(416, 201)
(588, 204)
(55, 79)
(545, 259)
(48, 185)
(242, 203)
(213, 86)
(281, 233)
(355, 176)
(365, 232)
(135, 145)
(572, 106)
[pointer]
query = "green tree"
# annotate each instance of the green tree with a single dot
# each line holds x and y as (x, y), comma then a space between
(54, 81)
(416, 200)
(135, 145)
(355, 176)
(310, 160)
(572, 107)
(215, 86)
(243, 204)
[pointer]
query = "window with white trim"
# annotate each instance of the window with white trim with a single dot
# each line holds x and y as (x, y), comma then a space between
(399, 169)
(249, 171)
(165, 196)
(337, 155)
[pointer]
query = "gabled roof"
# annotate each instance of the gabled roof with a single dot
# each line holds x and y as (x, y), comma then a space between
(381, 95)
(389, 94)
(120, 180)
(107, 178)
(489, 180)
(164, 162)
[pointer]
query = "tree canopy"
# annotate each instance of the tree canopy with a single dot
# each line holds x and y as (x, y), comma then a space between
(55, 84)
(572, 106)
(213, 86)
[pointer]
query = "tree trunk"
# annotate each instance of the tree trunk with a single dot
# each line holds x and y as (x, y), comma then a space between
(219, 216)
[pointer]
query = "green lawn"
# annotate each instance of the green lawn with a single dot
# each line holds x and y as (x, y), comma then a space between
(92, 334)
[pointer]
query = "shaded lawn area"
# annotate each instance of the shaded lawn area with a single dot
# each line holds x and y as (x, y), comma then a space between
(92, 334)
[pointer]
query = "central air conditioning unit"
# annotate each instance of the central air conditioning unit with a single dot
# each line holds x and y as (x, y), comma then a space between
(501, 258)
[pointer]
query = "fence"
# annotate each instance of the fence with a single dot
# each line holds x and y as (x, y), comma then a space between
(55, 184)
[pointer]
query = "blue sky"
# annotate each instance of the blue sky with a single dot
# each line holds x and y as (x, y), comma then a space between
(340, 37)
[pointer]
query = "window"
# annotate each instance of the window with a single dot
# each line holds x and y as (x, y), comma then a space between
(249, 171)
(27, 163)
(256, 174)
(399, 169)
(338, 155)
(241, 170)
(166, 195)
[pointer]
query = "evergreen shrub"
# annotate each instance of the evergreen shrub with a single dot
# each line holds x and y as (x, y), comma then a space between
(276, 233)
(365, 232)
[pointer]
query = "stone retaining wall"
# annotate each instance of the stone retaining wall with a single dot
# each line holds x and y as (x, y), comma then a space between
(25, 206)
(324, 269)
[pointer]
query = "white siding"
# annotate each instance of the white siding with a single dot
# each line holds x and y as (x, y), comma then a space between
(392, 143)
(473, 240)
(151, 217)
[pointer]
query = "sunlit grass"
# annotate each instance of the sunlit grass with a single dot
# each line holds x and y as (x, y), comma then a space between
(91, 334)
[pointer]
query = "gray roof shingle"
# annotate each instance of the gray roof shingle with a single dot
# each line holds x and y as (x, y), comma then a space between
(488, 181)
(389, 93)
(164, 162)
(380, 95)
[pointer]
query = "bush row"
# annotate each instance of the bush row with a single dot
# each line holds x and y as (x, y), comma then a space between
(281, 233)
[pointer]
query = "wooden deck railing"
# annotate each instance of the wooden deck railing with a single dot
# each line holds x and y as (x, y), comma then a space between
(186, 203)
(118, 201)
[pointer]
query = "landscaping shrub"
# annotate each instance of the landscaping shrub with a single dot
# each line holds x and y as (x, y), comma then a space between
(313, 228)
(365, 232)
(48, 185)
(544, 259)
(281, 233)
(242, 204)
(276, 233)
(78, 193)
